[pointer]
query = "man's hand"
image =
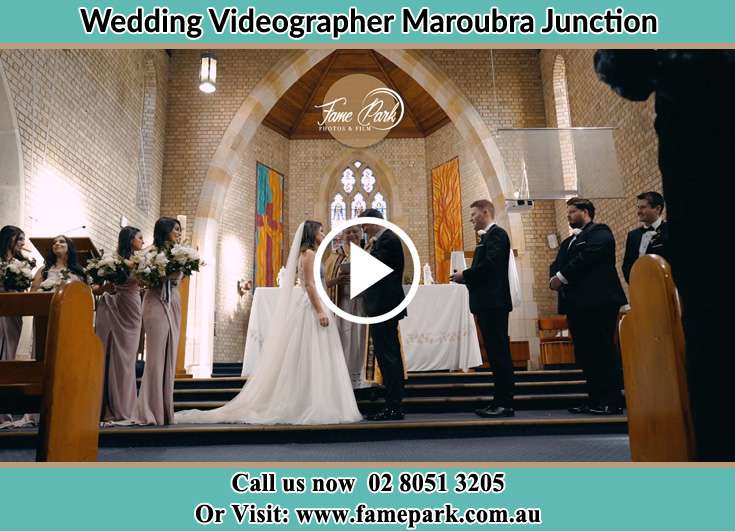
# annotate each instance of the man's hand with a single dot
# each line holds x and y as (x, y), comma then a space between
(457, 277)
(555, 283)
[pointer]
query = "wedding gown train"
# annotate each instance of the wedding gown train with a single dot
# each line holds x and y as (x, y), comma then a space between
(302, 377)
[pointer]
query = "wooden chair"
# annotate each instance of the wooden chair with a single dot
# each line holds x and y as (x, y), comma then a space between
(65, 382)
(556, 345)
(653, 350)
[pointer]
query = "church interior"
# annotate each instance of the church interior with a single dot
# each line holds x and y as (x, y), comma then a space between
(92, 140)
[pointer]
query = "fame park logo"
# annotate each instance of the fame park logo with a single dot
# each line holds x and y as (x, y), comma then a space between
(359, 110)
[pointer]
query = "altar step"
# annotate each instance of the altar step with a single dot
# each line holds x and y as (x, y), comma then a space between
(417, 378)
(223, 370)
(205, 393)
(435, 404)
(415, 426)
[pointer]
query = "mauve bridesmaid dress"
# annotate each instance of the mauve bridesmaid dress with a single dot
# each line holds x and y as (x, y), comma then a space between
(161, 322)
(118, 325)
(10, 329)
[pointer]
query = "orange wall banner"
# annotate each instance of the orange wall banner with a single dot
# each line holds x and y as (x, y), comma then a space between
(446, 201)
(268, 226)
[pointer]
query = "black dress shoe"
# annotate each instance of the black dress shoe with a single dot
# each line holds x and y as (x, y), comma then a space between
(606, 410)
(584, 409)
(387, 414)
(495, 412)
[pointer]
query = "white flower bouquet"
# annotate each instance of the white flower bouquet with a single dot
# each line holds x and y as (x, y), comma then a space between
(110, 268)
(16, 275)
(184, 259)
(150, 267)
(51, 284)
(153, 266)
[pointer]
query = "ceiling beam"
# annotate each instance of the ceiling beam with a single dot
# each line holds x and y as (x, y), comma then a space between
(418, 124)
(310, 99)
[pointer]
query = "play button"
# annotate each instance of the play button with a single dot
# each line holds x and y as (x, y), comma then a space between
(364, 270)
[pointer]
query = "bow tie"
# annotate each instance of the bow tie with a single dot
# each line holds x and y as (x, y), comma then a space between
(648, 229)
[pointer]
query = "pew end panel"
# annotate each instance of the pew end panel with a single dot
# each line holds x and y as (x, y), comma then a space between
(653, 351)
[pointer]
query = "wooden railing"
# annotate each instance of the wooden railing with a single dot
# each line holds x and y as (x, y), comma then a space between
(65, 383)
(653, 349)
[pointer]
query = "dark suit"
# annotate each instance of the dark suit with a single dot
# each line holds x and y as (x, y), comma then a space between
(489, 290)
(591, 300)
(658, 245)
(380, 298)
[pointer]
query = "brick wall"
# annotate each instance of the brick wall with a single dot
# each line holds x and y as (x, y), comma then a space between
(510, 95)
(197, 121)
(236, 251)
(403, 158)
(592, 104)
(82, 117)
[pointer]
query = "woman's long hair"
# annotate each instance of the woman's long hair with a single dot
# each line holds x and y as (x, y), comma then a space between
(8, 238)
(163, 228)
(72, 260)
(308, 240)
(125, 241)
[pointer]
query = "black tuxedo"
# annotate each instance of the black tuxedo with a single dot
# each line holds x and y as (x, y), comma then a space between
(658, 245)
(489, 291)
(380, 298)
(388, 293)
(588, 265)
(591, 300)
(487, 277)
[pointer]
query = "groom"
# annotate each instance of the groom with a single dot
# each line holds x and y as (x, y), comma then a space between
(380, 298)
(490, 300)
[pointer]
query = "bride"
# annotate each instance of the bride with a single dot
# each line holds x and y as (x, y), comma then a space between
(302, 377)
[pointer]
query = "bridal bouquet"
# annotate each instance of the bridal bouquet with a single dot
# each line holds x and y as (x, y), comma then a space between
(16, 275)
(51, 284)
(111, 268)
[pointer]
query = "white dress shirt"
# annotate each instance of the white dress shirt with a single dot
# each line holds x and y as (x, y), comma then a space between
(575, 232)
(649, 235)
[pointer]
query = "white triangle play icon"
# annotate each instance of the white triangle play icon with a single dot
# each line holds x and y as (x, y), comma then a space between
(364, 270)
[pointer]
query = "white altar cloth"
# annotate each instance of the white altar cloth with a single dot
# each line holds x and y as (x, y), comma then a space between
(438, 334)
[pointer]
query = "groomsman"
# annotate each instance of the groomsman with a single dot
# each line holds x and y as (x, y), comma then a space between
(590, 295)
(381, 298)
(490, 300)
(652, 237)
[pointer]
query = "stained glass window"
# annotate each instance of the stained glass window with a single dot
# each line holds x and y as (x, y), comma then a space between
(349, 200)
(338, 210)
(348, 180)
(380, 204)
(358, 205)
(367, 180)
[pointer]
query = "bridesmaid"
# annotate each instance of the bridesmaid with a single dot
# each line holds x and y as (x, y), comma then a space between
(118, 323)
(62, 256)
(161, 322)
(12, 240)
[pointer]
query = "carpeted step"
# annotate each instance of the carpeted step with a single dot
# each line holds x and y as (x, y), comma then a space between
(204, 394)
(417, 426)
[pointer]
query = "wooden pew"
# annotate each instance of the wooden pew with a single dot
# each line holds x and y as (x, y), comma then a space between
(65, 383)
(652, 345)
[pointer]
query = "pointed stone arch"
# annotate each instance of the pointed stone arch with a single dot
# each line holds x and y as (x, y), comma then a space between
(475, 133)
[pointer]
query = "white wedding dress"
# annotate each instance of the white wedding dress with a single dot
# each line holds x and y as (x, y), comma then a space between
(302, 377)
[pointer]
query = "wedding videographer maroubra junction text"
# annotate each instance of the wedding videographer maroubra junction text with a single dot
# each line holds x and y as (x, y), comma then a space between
(296, 26)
